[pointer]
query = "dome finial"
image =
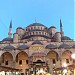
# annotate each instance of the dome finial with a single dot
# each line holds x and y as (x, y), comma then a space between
(35, 20)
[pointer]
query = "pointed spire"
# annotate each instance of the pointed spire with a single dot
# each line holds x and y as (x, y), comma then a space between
(11, 24)
(10, 29)
(61, 29)
(60, 23)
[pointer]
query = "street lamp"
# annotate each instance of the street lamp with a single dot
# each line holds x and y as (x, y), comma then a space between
(73, 57)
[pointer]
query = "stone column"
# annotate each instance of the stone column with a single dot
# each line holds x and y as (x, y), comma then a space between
(14, 61)
(0, 59)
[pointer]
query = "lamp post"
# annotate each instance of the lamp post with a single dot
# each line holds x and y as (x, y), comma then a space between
(73, 57)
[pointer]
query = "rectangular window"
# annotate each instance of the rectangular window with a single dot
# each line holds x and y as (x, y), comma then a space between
(67, 60)
(73, 61)
(6, 62)
(54, 62)
(26, 61)
(20, 62)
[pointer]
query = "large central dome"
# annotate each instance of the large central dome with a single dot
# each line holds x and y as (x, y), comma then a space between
(36, 24)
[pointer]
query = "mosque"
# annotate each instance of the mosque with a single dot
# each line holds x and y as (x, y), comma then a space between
(36, 47)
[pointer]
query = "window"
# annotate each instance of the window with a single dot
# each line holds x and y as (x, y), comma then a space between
(30, 33)
(36, 33)
(38, 27)
(54, 62)
(45, 33)
(31, 28)
(67, 60)
(33, 33)
(6, 62)
(42, 33)
(34, 27)
(41, 28)
(20, 62)
(39, 33)
(73, 61)
(26, 29)
(26, 61)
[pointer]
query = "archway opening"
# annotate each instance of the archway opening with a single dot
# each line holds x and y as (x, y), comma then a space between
(6, 59)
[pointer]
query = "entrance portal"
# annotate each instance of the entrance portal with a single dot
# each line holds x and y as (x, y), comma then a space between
(40, 67)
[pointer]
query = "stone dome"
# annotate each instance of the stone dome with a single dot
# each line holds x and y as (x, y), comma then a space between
(52, 27)
(51, 46)
(9, 47)
(37, 42)
(36, 24)
(22, 47)
(7, 39)
(20, 28)
(64, 46)
(65, 38)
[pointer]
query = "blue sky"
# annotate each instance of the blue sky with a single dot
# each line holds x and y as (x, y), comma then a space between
(47, 12)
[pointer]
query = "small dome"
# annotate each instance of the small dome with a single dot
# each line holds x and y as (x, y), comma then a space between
(51, 46)
(22, 47)
(37, 42)
(9, 47)
(7, 39)
(73, 46)
(64, 46)
(52, 27)
(65, 38)
(20, 28)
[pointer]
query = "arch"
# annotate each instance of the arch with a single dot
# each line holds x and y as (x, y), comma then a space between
(38, 61)
(21, 53)
(66, 54)
(22, 60)
(52, 54)
(66, 57)
(7, 57)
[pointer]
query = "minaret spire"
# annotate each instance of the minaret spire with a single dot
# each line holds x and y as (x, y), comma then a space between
(61, 29)
(10, 29)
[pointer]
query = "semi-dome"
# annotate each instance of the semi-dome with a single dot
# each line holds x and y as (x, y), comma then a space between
(7, 39)
(51, 46)
(73, 46)
(65, 38)
(9, 47)
(37, 42)
(36, 24)
(22, 47)
(64, 46)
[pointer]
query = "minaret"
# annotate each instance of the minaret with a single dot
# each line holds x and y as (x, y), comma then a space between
(61, 29)
(10, 29)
